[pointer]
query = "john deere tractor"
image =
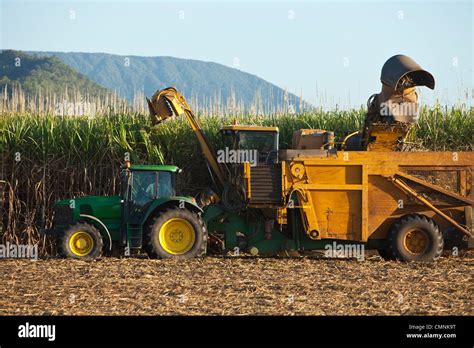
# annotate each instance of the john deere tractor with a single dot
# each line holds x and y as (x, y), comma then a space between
(147, 215)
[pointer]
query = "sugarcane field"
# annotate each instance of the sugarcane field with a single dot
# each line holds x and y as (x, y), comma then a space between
(161, 179)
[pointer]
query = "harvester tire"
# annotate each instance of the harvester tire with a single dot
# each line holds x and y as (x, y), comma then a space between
(81, 241)
(176, 233)
(415, 237)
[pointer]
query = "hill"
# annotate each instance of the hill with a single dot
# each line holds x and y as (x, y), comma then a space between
(45, 74)
(205, 82)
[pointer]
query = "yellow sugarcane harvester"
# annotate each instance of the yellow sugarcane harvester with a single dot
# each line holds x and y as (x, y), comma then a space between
(361, 189)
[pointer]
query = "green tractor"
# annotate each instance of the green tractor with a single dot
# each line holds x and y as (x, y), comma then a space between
(147, 215)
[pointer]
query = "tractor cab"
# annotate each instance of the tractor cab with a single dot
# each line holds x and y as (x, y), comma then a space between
(245, 139)
(141, 185)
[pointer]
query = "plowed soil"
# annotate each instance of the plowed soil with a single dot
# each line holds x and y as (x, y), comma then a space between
(236, 286)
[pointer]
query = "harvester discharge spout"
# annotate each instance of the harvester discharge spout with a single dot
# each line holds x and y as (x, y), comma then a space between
(392, 112)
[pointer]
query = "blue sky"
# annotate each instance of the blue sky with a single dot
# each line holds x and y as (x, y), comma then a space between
(330, 52)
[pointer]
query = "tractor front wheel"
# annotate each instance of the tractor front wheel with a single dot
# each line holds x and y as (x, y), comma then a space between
(176, 233)
(81, 241)
(415, 237)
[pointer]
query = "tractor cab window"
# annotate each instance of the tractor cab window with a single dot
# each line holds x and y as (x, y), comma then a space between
(148, 186)
(265, 142)
(166, 186)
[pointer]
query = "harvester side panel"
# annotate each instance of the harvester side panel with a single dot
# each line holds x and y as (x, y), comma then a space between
(352, 195)
(336, 196)
(341, 216)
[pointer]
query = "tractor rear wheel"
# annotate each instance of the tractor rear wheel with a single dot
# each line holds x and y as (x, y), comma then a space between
(415, 237)
(81, 241)
(176, 233)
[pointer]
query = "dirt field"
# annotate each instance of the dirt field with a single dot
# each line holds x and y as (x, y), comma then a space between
(237, 286)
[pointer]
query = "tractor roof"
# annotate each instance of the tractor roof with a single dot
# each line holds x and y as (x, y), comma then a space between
(154, 167)
(238, 127)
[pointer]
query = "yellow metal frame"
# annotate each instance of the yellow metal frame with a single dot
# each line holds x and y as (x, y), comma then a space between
(378, 166)
(181, 108)
(238, 127)
(404, 187)
(248, 187)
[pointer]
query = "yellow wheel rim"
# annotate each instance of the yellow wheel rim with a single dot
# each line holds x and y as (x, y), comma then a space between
(81, 243)
(176, 236)
(416, 241)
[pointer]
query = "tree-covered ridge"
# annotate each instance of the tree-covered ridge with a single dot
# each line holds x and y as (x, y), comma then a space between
(45, 75)
(205, 82)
